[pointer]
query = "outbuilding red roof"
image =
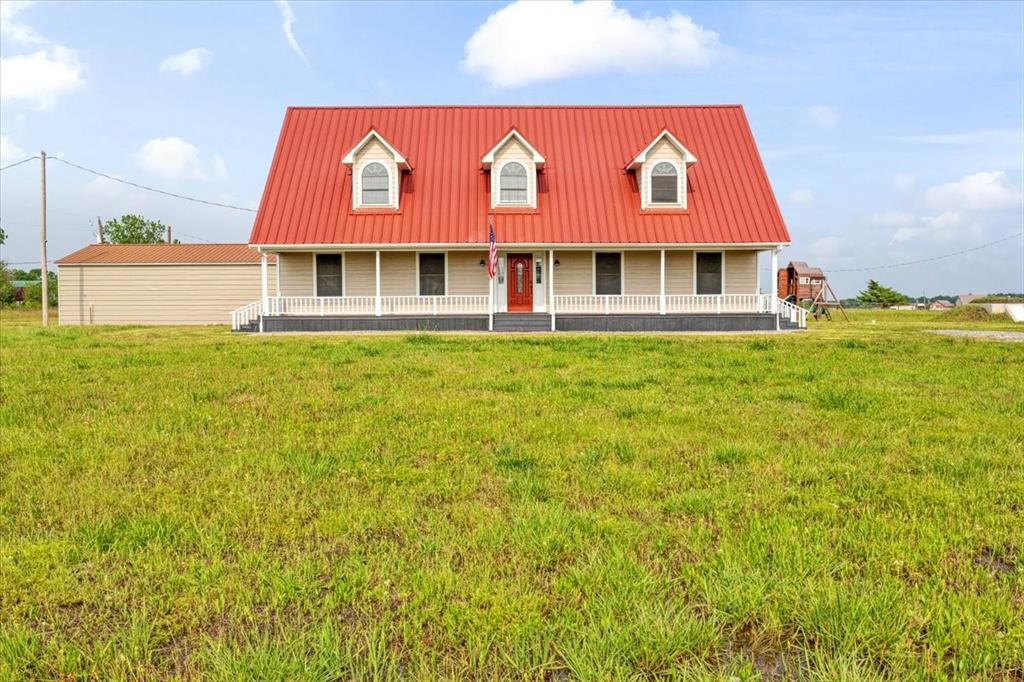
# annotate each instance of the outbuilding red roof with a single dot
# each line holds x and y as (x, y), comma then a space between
(585, 193)
(157, 254)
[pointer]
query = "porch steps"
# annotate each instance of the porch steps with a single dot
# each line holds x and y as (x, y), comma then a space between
(522, 322)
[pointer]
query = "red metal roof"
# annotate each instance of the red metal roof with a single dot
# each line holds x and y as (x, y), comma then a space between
(155, 254)
(585, 195)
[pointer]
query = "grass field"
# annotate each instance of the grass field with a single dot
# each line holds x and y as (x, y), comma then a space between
(846, 503)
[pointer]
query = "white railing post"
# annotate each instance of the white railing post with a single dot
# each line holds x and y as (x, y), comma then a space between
(661, 305)
(377, 303)
(551, 285)
(718, 304)
(264, 287)
(606, 304)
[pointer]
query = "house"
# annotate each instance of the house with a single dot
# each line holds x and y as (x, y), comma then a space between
(940, 304)
(800, 280)
(605, 218)
(157, 283)
(966, 299)
(20, 286)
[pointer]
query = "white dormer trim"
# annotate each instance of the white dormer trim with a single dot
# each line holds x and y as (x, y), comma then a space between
(641, 158)
(488, 158)
(400, 160)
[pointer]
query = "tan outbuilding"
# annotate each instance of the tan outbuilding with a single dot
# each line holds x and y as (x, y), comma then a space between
(158, 283)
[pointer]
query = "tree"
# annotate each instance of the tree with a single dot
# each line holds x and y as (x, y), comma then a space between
(877, 294)
(134, 229)
(34, 292)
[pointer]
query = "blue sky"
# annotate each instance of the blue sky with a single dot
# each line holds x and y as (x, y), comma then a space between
(890, 131)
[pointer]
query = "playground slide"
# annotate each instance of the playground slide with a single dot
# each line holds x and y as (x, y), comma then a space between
(1015, 311)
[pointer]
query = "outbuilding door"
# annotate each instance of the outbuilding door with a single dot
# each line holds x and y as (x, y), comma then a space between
(520, 283)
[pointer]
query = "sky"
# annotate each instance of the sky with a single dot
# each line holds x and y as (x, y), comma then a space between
(891, 132)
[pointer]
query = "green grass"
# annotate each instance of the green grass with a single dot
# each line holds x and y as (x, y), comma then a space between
(846, 503)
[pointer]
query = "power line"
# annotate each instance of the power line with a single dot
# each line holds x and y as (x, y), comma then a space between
(152, 189)
(18, 163)
(927, 260)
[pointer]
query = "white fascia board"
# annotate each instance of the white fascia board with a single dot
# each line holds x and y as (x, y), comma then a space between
(350, 157)
(488, 158)
(641, 158)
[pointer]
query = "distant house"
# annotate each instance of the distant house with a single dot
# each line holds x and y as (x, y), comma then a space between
(800, 280)
(20, 285)
(605, 218)
(940, 304)
(157, 283)
(964, 299)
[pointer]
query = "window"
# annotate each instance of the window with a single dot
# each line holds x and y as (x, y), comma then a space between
(608, 274)
(375, 184)
(664, 184)
(709, 273)
(432, 274)
(805, 280)
(540, 271)
(512, 183)
(329, 280)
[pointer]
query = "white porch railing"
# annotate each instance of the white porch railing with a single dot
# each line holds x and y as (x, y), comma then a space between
(240, 317)
(651, 303)
(794, 313)
(322, 305)
(434, 305)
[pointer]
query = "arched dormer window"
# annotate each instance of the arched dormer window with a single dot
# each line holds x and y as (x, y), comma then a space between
(512, 183)
(375, 184)
(664, 184)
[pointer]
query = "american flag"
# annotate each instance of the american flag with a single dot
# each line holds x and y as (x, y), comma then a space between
(492, 253)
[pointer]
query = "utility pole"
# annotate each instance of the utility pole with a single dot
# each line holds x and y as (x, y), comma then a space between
(169, 241)
(99, 230)
(44, 274)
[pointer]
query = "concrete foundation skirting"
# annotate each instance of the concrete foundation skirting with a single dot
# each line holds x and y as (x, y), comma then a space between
(436, 323)
(726, 322)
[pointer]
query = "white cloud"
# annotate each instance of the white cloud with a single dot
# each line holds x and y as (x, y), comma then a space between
(288, 20)
(175, 158)
(529, 41)
(12, 29)
(904, 181)
(103, 188)
(943, 228)
(40, 77)
(985, 191)
(187, 62)
(824, 117)
(801, 196)
(10, 152)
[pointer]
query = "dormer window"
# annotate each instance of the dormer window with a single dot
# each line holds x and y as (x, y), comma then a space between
(512, 182)
(376, 173)
(375, 184)
(661, 172)
(664, 184)
(513, 164)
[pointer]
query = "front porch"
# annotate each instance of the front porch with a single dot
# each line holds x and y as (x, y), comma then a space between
(571, 290)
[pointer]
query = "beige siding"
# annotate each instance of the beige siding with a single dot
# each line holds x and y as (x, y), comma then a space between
(574, 273)
(513, 150)
(642, 272)
(375, 151)
(398, 273)
(679, 272)
(663, 151)
(296, 273)
(360, 273)
(156, 294)
(740, 272)
(465, 275)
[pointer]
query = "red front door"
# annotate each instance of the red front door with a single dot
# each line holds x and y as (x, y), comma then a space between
(520, 283)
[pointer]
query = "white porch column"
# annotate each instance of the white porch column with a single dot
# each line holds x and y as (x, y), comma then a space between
(551, 286)
(775, 280)
(490, 299)
(264, 288)
(377, 303)
(661, 305)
